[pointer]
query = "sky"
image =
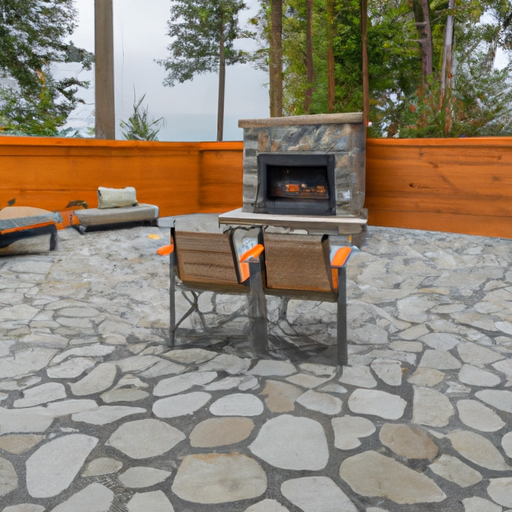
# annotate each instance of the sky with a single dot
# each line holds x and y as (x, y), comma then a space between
(189, 109)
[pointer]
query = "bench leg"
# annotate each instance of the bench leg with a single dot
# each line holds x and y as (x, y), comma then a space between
(342, 317)
(172, 300)
(258, 330)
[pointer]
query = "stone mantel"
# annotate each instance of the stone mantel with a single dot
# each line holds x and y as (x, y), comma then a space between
(347, 118)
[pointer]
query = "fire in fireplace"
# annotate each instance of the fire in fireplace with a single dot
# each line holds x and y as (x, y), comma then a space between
(296, 184)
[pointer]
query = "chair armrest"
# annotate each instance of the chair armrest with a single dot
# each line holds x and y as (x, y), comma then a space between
(165, 250)
(251, 254)
(340, 257)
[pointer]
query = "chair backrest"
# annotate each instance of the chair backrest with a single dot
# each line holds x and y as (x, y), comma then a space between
(298, 264)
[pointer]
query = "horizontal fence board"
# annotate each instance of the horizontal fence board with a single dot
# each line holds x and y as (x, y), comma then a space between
(460, 185)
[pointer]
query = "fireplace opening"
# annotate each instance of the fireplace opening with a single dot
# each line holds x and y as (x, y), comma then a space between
(296, 184)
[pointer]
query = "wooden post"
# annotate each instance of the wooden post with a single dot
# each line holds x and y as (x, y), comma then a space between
(104, 70)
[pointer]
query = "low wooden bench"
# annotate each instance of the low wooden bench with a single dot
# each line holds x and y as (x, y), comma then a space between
(257, 264)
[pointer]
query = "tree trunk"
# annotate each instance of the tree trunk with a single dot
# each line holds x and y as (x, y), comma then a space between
(310, 69)
(366, 72)
(222, 84)
(447, 69)
(422, 17)
(276, 58)
(105, 117)
(331, 80)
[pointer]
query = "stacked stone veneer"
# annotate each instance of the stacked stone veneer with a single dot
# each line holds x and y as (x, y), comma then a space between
(340, 134)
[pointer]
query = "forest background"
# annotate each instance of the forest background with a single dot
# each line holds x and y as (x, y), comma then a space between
(431, 65)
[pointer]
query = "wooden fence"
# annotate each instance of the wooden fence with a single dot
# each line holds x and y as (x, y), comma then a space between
(457, 185)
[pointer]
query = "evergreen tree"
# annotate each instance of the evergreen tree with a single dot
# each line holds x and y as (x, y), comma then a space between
(33, 36)
(204, 33)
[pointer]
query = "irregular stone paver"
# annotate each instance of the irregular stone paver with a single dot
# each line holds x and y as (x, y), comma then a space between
(455, 470)
(25, 362)
(228, 363)
(475, 376)
(53, 467)
(320, 402)
(225, 384)
(94, 498)
(219, 478)
(409, 442)
(266, 368)
(441, 340)
(506, 443)
(180, 383)
(280, 396)
(139, 477)
(317, 494)
(476, 415)
(321, 370)
(431, 408)
(141, 439)
(359, 376)
(215, 432)
(439, 360)
(18, 444)
(388, 370)
(106, 414)
(290, 442)
(124, 395)
(501, 399)
(190, 355)
(155, 501)
(99, 379)
(500, 490)
(307, 381)
(41, 394)
(478, 450)
(349, 429)
(426, 377)
(102, 466)
(476, 355)
(70, 369)
(24, 507)
(8, 477)
(237, 404)
(377, 403)
(372, 474)
(180, 405)
(23, 420)
(477, 504)
(267, 506)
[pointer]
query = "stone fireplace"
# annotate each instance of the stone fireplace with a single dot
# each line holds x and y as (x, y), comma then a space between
(304, 172)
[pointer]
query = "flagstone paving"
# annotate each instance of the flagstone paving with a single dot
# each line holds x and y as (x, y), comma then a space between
(98, 415)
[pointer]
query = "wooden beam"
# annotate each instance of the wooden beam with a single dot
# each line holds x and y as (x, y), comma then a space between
(104, 70)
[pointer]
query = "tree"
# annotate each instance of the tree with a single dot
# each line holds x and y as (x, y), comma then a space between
(33, 36)
(139, 126)
(204, 34)
(276, 58)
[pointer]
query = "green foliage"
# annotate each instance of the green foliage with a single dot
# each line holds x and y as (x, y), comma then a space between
(139, 126)
(478, 97)
(197, 27)
(33, 35)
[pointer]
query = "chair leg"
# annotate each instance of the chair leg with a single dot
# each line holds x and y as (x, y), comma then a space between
(172, 300)
(342, 317)
(258, 329)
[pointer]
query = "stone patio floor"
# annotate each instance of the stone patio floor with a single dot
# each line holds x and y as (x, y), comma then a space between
(97, 414)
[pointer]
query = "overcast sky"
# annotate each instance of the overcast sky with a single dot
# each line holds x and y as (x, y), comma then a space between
(189, 109)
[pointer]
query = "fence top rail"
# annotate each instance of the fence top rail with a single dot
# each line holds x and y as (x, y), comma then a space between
(438, 142)
(8, 140)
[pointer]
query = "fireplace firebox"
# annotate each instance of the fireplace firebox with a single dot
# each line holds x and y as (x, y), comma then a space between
(296, 184)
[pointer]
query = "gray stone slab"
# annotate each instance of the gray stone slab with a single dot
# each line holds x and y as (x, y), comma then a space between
(377, 403)
(94, 498)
